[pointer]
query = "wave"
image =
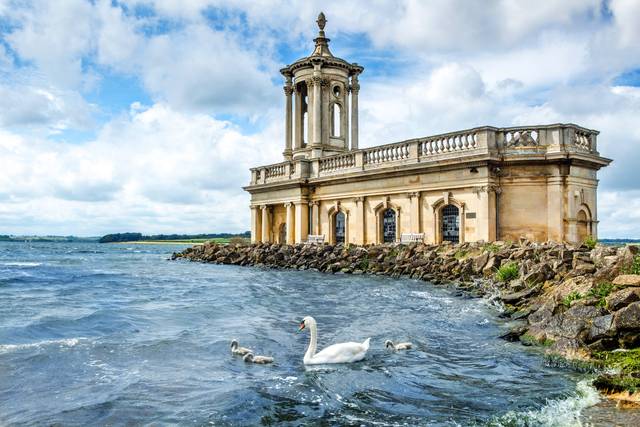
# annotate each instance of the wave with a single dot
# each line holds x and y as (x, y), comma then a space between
(20, 264)
(66, 342)
(559, 412)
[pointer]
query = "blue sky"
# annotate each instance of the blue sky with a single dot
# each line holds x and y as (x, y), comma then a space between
(144, 115)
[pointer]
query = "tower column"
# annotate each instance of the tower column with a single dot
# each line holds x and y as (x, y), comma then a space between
(317, 107)
(288, 90)
(355, 88)
(298, 121)
(265, 223)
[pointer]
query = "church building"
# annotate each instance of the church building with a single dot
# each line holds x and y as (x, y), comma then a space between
(486, 183)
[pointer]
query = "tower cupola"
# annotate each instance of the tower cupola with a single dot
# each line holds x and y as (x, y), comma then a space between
(325, 90)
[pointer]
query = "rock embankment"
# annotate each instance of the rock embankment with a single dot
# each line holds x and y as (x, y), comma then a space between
(579, 302)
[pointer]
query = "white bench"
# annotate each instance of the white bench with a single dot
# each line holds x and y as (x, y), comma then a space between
(315, 239)
(411, 237)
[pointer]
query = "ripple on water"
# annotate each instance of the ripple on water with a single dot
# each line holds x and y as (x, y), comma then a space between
(102, 334)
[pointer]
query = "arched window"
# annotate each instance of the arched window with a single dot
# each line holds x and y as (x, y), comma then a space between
(340, 226)
(451, 224)
(335, 120)
(305, 123)
(389, 226)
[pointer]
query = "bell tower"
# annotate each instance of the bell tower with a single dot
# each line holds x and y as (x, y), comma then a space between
(321, 108)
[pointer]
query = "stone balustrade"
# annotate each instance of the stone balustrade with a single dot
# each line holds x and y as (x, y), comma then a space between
(387, 153)
(483, 140)
(336, 163)
(447, 143)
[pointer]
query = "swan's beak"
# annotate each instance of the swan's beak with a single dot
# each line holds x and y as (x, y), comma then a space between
(301, 326)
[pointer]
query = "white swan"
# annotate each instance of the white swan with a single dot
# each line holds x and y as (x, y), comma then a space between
(347, 352)
(236, 349)
(399, 346)
(250, 358)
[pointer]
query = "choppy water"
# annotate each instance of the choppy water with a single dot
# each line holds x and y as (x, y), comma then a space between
(108, 334)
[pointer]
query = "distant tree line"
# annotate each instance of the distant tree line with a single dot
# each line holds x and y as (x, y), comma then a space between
(135, 237)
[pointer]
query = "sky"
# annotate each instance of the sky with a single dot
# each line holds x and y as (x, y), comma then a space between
(146, 116)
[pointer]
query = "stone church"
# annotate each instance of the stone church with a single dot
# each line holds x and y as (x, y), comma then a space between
(486, 183)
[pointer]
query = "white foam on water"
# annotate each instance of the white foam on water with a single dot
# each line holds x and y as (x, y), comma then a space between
(561, 412)
(20, 264)
(67, 342)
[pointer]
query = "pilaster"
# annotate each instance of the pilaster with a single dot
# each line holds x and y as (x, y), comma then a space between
(355, 89)
(301, 221)
(414, 213)
(290, 224)
(266, 216)
(288, 91)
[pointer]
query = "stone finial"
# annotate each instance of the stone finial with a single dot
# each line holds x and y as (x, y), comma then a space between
(322, 21)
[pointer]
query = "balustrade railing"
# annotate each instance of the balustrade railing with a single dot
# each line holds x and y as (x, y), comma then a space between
(467, 142)
(276, 170)
(339, 162)
(386, 153)
(448, 143)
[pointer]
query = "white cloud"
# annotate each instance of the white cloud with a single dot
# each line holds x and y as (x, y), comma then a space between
(25, 106)
(152, 166)
(435, 66)
(54, 37)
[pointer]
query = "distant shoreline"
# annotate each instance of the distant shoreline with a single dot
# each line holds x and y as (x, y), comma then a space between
(160, 242)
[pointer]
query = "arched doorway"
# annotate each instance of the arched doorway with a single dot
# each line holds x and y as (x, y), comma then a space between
(282, 233)
(450, 224)
(583, 226)
(389, 226)
(340, 227)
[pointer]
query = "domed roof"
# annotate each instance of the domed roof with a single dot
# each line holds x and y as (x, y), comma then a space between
(321, 53)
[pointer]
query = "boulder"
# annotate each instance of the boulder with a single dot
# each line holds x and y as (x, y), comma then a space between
(515, 297)
(543, 314)
(580, 268)
(627, 280)
(489, 267)
(480, 261)
(514, 334)
(622, 298)
(577, 320)
(601, 327)
(628, 318)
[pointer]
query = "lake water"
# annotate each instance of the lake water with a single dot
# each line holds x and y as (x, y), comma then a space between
(113, 334)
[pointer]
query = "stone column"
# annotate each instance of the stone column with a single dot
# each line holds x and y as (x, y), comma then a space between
(355, 88)
(359, 225)
(414, 198)
(265, 223)
(315, 217)
(288, 90)
(256, 225)
(301, 221)
(317, 108)
(290, 223)
(298, 121)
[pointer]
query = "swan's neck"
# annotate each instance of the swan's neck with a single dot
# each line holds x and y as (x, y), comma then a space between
(313, 342)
